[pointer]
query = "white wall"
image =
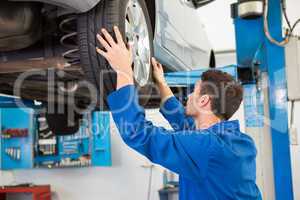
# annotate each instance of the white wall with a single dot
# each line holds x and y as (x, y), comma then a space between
(294, 6)
(219, 25)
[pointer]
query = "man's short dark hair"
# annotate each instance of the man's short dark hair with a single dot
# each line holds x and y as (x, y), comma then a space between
(225, 92)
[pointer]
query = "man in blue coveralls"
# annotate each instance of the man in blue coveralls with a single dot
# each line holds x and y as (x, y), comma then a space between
(214, 160)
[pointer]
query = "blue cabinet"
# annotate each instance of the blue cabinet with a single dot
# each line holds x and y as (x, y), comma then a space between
(17, 151)
(19, 144)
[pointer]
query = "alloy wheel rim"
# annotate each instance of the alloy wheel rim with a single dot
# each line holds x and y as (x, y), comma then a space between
(136, 30)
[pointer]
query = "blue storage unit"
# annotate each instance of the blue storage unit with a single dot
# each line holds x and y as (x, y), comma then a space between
(101, 139)
(90, 146)
(17, 152)
(19, 142)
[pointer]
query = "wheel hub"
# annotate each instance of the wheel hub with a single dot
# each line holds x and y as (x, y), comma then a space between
(136, 30)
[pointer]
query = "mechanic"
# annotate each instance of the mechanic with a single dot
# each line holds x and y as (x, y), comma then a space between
(212, 157)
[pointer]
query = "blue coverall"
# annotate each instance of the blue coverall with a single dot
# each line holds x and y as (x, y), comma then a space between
(217, 163)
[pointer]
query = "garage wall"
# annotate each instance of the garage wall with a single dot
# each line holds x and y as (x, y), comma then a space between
(293, 6)
(127, 179)
(219, 25)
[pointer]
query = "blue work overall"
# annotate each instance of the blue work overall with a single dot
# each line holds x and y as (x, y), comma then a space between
(217, 163)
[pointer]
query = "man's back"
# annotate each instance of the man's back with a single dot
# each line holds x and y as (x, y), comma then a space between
(230, 171)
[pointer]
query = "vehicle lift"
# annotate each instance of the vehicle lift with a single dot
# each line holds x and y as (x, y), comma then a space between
(261, 68)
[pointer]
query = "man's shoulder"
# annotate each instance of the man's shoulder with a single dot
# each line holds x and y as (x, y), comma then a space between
(247, 137)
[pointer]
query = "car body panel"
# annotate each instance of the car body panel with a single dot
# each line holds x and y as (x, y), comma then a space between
(180, 41)
(199, 46)
(169, 34)
(79, 6)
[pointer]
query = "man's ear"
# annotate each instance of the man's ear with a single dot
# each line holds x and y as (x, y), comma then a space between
(204, 100)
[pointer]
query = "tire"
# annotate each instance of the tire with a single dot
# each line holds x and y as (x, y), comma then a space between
(97, 70)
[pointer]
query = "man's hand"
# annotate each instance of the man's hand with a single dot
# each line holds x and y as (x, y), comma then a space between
(158, 72)
(118, 55)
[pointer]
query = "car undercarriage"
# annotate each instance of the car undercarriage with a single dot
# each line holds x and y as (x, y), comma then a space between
(47, 52)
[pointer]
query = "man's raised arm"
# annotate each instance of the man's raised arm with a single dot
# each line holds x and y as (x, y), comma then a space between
(167, 148)
(171, 108)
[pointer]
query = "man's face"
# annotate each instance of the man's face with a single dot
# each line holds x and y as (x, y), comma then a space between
(192, 106)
